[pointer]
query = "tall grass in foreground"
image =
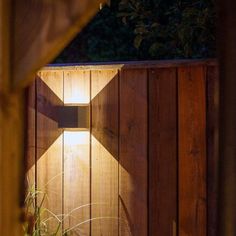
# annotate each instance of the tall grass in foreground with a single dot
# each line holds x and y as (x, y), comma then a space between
(36, 224)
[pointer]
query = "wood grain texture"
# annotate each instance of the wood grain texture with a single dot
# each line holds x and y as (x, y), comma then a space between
(133, 153)
(49, 146)
(104, 152)
(100, 79)
(212, 148)
(76, 199)
(192, 151)
(31, 146)
(105, 109)
(50, 26)
(76, 87)
(162, 152)
(227, 113)
(76, 185)
(54, 81)
(11, 135)
(121, 189)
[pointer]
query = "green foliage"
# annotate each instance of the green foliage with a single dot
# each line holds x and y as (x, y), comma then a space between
(147, 29)
(172, 29)
(106, 38)
(35, 224)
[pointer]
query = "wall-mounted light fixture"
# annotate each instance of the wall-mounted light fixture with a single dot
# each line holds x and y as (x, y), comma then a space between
(74, 117)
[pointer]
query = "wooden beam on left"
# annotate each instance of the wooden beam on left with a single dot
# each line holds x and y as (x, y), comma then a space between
(11, 134)
(42, 29)
(32, 33)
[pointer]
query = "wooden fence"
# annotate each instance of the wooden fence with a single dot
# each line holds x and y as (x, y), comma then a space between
(148, 164)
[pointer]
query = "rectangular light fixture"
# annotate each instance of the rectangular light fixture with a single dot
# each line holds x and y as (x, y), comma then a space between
(74, 117)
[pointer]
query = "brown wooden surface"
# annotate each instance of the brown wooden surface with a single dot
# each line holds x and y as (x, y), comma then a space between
(133, 152)
(31, 146)
(162, 152)
(76, 87)
(49, 147)
(227, 117)
(76, 185)
(132, 64)
(31, 34)
(11, 135)
(192, 151)
(104, 152)
(213, 148)
(50, 26)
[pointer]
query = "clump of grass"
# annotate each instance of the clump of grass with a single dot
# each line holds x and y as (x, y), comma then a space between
(33, 225)
(36, 223)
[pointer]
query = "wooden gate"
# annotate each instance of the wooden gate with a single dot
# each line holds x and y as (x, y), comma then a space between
(146, 166)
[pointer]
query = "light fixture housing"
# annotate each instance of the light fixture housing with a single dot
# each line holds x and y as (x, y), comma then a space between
(75, 117)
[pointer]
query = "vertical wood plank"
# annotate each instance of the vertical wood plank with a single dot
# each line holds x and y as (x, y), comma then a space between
(76, 182)
(212, 148)
(76, 158)
(12, 118)
(104, 152)
(192, 151)
(133, 152)
(100, 79)
(49, 146)
(31, 137)
(76, 86)
(162, 152)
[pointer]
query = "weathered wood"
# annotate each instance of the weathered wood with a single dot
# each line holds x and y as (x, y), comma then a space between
(133, 153)
(212, 148)
(192, 151)
(49, 147)
(76, 185)
(104, 152)
(50, 26)
(162, 152)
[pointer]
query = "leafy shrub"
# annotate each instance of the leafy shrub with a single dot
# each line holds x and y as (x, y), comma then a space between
(147, 29)
(171, 29)
(105, 38)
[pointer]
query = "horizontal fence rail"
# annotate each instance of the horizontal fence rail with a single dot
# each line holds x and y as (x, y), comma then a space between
(148, 163)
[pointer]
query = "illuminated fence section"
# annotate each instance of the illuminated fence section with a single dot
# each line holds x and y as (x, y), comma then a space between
(141, 166)
(76, 158)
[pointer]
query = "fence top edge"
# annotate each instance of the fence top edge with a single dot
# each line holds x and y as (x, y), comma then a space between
(131, 64)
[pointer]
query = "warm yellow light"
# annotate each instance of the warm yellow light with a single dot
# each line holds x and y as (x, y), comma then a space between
(76, 87)
(101, 80)
(74, 138)
(77, 99)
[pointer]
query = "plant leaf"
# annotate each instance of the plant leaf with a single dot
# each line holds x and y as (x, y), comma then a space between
(137, 41)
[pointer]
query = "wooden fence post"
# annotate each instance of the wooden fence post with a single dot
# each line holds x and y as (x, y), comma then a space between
(32, 33)
(227, 137)
(11, 133)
